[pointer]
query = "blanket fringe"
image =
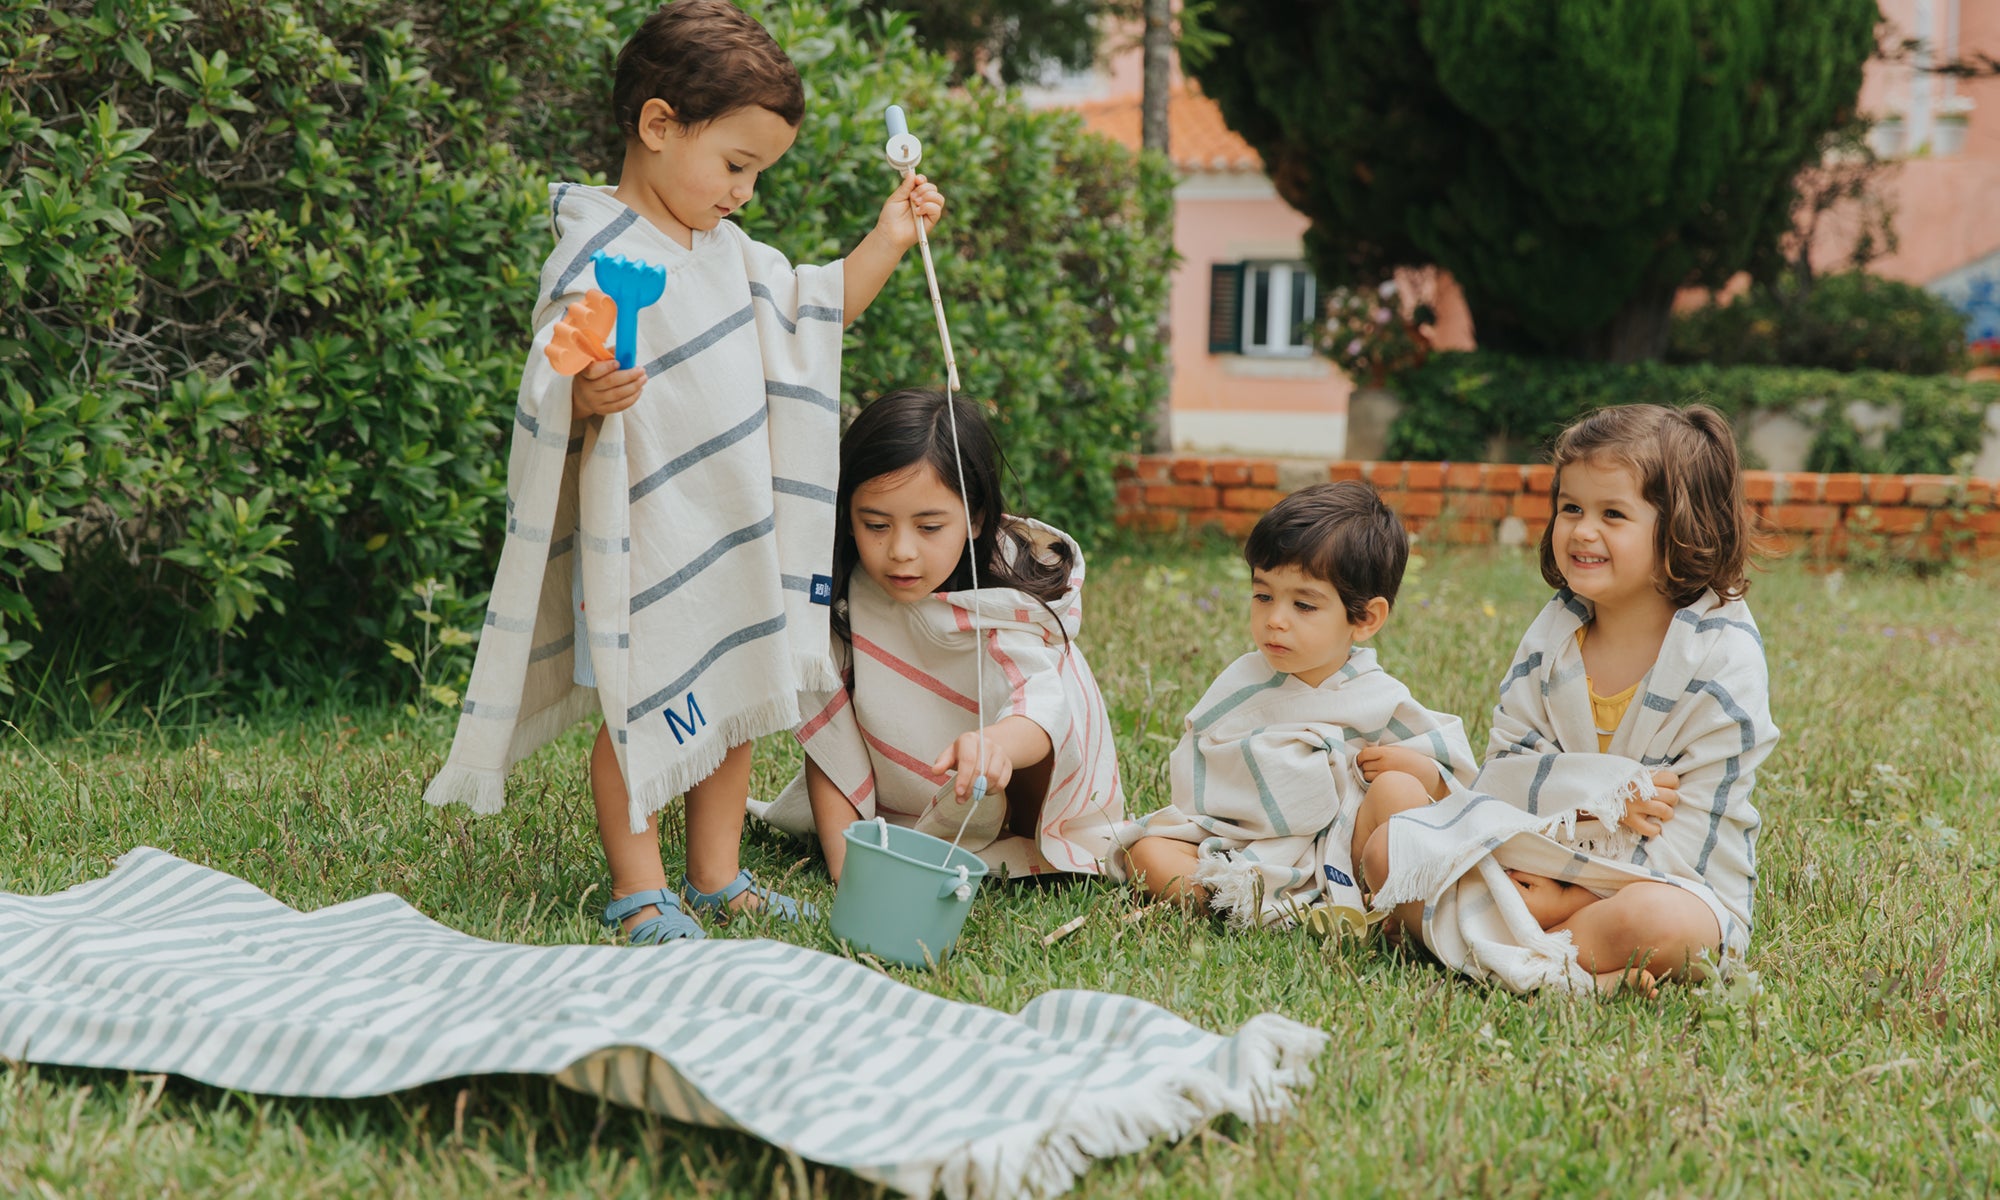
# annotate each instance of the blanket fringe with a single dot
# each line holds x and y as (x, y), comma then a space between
(1427, 879)
(652, 795)
(481, 789)
(816, 676)
(1235, 887)
(1273, 1058)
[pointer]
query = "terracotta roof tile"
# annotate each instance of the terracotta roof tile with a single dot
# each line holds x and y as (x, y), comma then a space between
(1196, 134)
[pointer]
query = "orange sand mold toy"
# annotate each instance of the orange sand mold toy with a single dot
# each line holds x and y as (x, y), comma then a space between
(579, 337)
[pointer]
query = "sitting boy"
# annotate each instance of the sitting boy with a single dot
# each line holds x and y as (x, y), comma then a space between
(1301, 749)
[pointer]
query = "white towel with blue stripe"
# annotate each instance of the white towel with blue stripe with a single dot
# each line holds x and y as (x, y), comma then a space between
(1266, 787)
(1548, 803)
(696, 526)
(167, 966)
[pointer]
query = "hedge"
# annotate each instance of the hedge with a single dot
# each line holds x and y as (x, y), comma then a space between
(270, 270)
(1463, 406)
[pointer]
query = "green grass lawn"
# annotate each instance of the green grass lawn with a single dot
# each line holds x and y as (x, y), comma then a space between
(1864, 1057)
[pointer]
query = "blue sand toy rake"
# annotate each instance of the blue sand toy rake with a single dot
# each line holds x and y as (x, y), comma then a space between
(632, 285)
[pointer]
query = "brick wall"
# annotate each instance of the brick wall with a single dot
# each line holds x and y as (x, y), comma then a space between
(1925, 518)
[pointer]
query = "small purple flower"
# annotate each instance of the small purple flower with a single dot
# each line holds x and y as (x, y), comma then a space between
(1354, 348)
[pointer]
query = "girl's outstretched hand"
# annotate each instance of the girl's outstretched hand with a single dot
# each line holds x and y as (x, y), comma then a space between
(601, 389)
(975, 754)
(895, 222)
(1647, 817)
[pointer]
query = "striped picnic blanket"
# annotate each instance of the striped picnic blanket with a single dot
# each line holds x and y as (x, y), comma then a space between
(164, 965)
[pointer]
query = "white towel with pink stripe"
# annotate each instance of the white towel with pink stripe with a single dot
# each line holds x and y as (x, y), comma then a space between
(912, 676)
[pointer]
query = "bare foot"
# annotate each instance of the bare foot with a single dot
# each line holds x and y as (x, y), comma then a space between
(1636, 980)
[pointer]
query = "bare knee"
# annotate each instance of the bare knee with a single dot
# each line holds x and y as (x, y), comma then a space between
(1664, 928)
(1375, 858)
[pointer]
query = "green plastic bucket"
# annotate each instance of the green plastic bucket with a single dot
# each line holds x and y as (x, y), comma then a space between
(899, 895)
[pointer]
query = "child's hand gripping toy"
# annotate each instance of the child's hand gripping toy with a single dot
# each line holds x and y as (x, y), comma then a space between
(579, 337)
(628, 286)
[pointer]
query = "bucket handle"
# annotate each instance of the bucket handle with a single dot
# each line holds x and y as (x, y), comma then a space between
(882, 825)
(957, 889)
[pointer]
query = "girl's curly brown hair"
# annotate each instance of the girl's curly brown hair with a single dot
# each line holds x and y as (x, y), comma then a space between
(1688, 470)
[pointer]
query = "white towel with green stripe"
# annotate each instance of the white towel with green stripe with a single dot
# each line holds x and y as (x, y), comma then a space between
(1264, 781)
(167, 966)
(697, 522)
(1547, 802)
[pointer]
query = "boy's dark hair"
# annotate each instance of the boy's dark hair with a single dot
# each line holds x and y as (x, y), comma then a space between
(913, 427)
(706, 58)
(1338, 533)
(1686, 464)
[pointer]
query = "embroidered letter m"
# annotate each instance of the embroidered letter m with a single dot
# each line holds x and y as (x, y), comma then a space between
(684, 728)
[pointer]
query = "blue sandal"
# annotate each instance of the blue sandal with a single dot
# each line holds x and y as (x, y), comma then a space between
(671, 925)
(776, 904)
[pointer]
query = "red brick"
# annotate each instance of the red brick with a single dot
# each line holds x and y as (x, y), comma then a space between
(1981, 491)
(1190, 470)
(1124, 471)
(1387, 475)
(1147, 520)
(1341, 472)
(1465, 476)
(1930, 491)
(1253, 499)
(1236, 524)
(1886, 489)
(1892, 520)
(1477, 507)
(1801, 487)
(1535, 530)
(1955, 519)
(1130, 494)
(1182, 496)
(1805, 516)
(1985, 548)
(1504, 477)
(1426, 476)
(1534, 508)
(1471, 533)
(1229, 472)
(1843, 489)
(1828, 544)
(1264, 473)
(1414, 504)
(1415, 526)
(1151, 468)
(1541, 479)
(1759, 485)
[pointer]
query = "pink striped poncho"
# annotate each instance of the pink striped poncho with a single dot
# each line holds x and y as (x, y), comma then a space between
(910, 688)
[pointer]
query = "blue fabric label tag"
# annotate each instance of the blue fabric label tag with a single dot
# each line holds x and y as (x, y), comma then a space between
(822, 589)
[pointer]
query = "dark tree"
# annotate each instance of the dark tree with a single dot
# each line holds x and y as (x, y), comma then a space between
(1021, 37)
(1571, 162)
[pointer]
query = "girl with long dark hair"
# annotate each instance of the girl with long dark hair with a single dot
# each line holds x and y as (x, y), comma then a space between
(948, 612)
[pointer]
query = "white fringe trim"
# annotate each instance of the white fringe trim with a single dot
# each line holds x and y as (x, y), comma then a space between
(816, 677)
(1430, 875)
(481, 789)
(1237, 888)
(651, 795)
(1274, 1061)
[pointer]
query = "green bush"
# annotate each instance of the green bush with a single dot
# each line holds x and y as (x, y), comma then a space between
(1462, 406)
(1852, 321)
(271, 267)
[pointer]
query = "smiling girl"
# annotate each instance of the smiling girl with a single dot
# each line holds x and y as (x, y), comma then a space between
(1615, 799)
(903, 737)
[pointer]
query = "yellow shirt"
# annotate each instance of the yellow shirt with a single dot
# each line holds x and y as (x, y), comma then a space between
(1606, 711)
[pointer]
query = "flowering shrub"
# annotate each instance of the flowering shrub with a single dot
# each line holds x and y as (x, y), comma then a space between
(1372, 335)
